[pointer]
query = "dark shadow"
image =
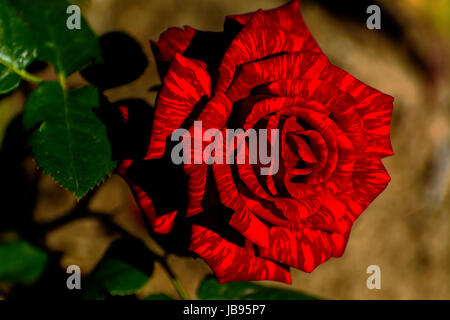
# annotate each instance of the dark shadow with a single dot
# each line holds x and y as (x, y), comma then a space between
(18, 188)
(130, 139)
(123, 62)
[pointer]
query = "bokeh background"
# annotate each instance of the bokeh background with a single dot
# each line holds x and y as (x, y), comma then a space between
(406, 230)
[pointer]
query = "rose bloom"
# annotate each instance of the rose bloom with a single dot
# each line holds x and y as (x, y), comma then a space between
(264, 71)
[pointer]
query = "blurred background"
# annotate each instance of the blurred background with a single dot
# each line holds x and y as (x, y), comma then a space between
(405, 231)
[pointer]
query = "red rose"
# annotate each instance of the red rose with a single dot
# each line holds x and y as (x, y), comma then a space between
(264, 70)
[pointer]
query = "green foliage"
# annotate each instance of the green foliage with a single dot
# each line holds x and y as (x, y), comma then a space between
(8, 79)
(68, 50)
(17, 47)
(124, 270)
(159, 296)
(116, 278)
(69, 141)
(210, 289)
(20, 262)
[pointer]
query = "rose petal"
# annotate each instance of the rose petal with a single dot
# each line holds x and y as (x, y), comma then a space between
(370, 178)
(374, 107)
(160, 224)
(303, 249)
(333, 216)
(242, 219)
(297, 209)
(228, 192)
(258, 209)
(327, 95)
(196, 187)
(213, 116)
(287, 17)
(295, 148)
(216, 112)
(272, 124)
(339, 103)
(266, 33)
(185, 84)
(231, 262)
(248, 176)
(293, 65)
(329, 131)
(268, 106)
(173, 40)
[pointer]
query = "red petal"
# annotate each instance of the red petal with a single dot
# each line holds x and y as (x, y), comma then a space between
(196, 187)
(216, 112)
(333, 216)
(303, 249)
(374, 107)
(297, 65)
(327, 95)
(341, 176)
(329, 131)
(297, 209)
(303, 150)
(340, 104)
(213, 116)
(267, 106)
(370, 178)
(318, 146)
(248, 176)
(272, 123)
(258, 209)
(124, 114)
(186, 82)
(161, 224)
(294, 148)
(287, 17)
(337, 215)
(231, 262)
(173, 40)
(242, 219)
(228, 192)
(266, 33)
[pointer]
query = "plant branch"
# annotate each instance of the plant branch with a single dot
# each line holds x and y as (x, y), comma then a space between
(22, 72)
(28, 76)
(175, 281)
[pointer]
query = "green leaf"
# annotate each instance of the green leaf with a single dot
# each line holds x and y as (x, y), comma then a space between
(8, 80)
(17, 47)
(125, 269)
(116, 278)
(210, 289)
(21, 262)
(158, 296)
(69, 141)
(68, 50)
